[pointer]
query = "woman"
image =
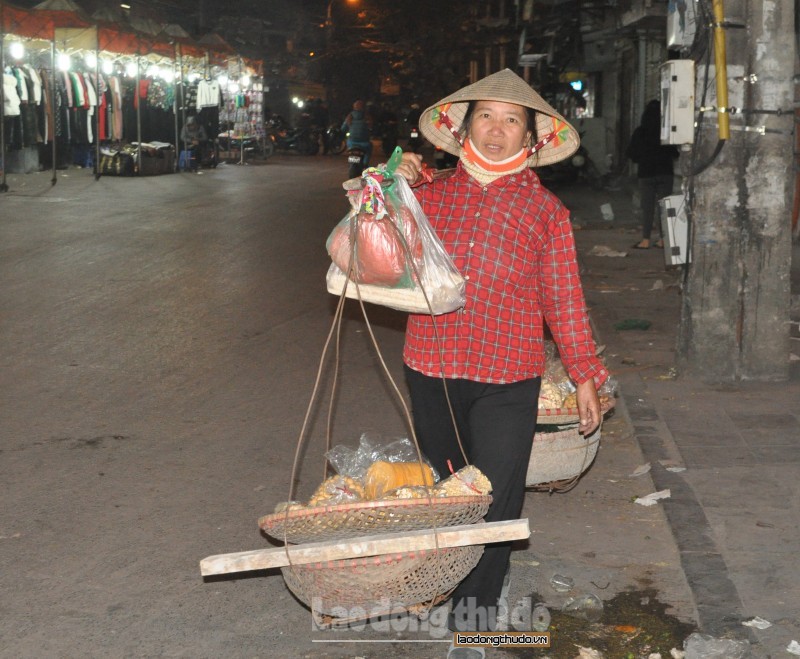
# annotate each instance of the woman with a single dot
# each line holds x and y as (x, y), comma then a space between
(512, 241)
(655, 173)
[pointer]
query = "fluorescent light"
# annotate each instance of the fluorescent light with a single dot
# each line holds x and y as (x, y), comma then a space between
(17, 50)
(64, 62)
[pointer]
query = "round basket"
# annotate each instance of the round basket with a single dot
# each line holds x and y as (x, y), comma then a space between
(560, 456)
(350, 520)
(363, 588)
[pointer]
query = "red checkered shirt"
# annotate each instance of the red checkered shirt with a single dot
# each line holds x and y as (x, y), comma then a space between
(512, 241)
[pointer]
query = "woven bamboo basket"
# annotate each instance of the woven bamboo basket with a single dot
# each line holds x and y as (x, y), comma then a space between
(341, 592)
(368, 517)
(557, 458)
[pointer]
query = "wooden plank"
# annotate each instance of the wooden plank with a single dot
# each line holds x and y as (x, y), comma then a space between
(368, 545)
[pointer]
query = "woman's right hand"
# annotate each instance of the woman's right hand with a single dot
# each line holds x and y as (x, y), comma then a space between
(410, 166)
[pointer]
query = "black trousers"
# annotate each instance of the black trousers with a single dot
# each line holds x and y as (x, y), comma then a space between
(496, 423)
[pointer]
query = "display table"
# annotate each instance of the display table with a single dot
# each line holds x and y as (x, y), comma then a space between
(235, 147)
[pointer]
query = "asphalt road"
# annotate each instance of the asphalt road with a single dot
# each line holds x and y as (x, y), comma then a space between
(161, 340)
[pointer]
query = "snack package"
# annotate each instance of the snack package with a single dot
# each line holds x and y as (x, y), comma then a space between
(386, 247)
(382, 477)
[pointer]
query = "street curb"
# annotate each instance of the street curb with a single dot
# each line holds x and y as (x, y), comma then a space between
(717, 601)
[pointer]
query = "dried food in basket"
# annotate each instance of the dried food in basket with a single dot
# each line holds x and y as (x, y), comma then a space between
(337, 489)
(467, 480)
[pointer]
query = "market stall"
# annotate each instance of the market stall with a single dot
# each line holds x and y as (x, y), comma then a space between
(104, 94)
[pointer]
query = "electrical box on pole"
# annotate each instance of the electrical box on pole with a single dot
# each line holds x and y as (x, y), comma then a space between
(675, 229)
(677, 102)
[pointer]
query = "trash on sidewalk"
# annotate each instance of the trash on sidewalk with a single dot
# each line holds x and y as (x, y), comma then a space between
(587, 607)
(589, 653)
(641, 470)
(632, 323)
(605, 250)
(607, 212)
(651, 499)
(793, 648)
(703, 646)
(758, 623)
(540, 618)
(561, 584)
(671, 465)
(658, 285)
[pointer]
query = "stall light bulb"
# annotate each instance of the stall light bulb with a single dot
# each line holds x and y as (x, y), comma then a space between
(130, 69)
(300, 104)
(233, 88)
(245, 81)
(91, 60)
(108, 67)
(64, 62)
(17, 50)
(153, 71)
(295, 100)
(193, 77)
(223, 80)
(168, 75)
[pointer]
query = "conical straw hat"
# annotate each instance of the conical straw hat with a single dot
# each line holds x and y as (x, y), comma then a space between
(508, 87)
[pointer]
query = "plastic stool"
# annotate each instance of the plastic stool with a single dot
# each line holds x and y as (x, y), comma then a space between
(187, 161)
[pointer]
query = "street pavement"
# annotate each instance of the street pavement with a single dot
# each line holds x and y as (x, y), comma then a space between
(161, 339)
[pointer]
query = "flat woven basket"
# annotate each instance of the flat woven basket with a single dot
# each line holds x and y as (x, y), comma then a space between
(350, 520)
(363, 588)
(560, 456)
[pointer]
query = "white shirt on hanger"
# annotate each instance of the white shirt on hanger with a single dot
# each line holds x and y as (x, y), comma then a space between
(10, 97)
(208, 94)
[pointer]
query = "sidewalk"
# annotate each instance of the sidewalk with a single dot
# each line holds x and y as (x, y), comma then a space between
(734, 513)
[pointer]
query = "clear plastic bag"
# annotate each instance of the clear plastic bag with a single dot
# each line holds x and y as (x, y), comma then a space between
(354, 462)
(397, 260)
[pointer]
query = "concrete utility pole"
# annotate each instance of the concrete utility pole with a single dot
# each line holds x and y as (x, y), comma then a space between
(736, 300)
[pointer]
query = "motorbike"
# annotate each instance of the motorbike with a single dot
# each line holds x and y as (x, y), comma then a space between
(336, 139)
(355, 161)
(444, 160)
(577, 168)
(304, 141)
(414, 139)
(388, 135)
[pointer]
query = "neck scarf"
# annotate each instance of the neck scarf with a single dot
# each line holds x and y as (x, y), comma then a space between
(486, 171)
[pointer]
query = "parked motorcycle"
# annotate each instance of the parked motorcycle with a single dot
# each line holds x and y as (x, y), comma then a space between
(414, 139)
(304, 141)
(577, 168)
(444, 160)
(336, 139)
(388, 134)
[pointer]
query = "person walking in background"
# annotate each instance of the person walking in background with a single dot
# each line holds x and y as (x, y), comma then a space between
(654, 168)
(512, 240)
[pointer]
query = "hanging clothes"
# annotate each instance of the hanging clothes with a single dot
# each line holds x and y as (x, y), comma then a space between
(116, 108)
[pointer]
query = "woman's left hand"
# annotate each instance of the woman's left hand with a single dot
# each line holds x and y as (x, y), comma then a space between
(588, 407)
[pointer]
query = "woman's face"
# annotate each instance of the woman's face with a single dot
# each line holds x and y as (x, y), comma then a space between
(498, 130)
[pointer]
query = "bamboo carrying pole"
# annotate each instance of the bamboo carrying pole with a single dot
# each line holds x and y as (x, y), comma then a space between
(369, 545)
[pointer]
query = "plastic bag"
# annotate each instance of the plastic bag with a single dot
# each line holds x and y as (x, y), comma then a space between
(354, 462)
(397, 259)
